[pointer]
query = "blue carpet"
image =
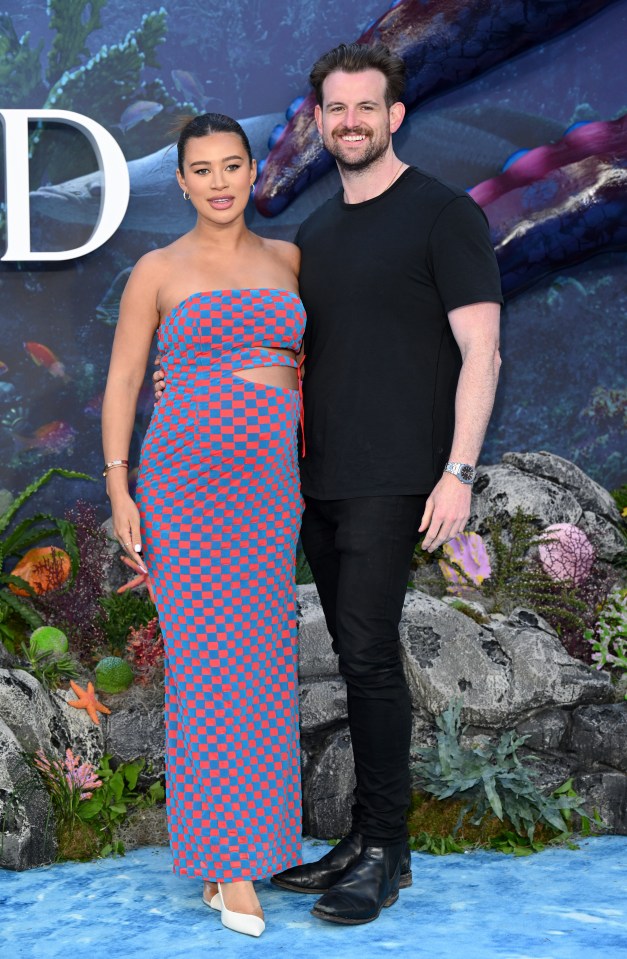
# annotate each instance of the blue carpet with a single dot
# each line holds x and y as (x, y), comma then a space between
(560, 904)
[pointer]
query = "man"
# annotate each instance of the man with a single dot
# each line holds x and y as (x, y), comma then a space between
(402, 294)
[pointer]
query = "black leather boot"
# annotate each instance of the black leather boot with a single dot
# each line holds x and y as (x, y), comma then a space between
(365, 889)
(317, 877)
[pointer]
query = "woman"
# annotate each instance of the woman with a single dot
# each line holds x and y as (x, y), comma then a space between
(219, 504)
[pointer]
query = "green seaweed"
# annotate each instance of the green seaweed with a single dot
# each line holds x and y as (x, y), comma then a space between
(103, 87)
(73, 25)
(122, 612)
(490, 780)
(20, 67)
(17, 615)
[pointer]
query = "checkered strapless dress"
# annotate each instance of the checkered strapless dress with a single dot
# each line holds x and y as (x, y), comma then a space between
(219, 498)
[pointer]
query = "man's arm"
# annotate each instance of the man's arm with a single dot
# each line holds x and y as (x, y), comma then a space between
(476, 330)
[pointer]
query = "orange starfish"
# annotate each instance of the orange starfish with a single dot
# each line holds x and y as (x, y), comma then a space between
(141, 580)
(87, 700)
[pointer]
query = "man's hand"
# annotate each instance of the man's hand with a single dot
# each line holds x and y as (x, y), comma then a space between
(446, 513)
(158, 378)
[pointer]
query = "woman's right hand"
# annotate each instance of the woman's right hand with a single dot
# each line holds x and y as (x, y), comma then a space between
(158, 379)
(127, 525)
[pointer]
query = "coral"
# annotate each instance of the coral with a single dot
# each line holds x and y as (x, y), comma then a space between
(15, 612)
(77, 778)
(73, 22)
(592, 594)
(518, 580)
(70, 783)
(567, 554)
(113, 675)
(76, 610)
(145, 650)
(48, 639)
(107, 84)
(44, 568)
(87, 700)
(466, 562)
(122, 612)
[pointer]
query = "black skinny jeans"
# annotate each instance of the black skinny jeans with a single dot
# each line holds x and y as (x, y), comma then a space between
(360, 554)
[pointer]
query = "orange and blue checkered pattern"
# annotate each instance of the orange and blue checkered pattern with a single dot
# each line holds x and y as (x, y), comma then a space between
(218, 493)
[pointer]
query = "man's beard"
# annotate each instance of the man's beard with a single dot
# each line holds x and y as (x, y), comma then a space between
(373, 151)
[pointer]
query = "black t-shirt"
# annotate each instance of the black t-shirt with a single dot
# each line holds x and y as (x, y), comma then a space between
(377, 281)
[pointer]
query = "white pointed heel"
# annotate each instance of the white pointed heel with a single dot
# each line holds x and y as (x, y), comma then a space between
(239, 921)
(213, 903)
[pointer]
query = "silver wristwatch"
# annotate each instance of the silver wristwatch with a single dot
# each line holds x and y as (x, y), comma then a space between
(463, 471)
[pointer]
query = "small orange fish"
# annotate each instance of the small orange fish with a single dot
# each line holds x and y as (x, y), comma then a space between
(43, 356)
(53, 437)
(3, 368)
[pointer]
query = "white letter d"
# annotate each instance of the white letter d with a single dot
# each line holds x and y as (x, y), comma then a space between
(112, 165)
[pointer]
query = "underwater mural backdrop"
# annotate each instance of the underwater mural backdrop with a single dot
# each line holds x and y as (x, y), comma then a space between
(522, 102)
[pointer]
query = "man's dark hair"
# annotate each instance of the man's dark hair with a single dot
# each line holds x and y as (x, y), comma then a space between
(204, 125)
(355, 57)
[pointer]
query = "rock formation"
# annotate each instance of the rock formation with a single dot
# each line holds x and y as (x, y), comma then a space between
(512, 672)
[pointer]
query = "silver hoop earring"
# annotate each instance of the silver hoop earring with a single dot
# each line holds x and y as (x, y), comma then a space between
(252, 189)
(185, 195)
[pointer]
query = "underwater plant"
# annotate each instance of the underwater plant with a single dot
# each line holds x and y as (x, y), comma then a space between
(18, 615)
(47, 665)
(110, 85)
(145, 650)
(608, 639)
(121, 612)
(490, 779)
(20, 67)
(107, 809)
(70, 783)
(76, 609)
(465, 563)
(516, 579)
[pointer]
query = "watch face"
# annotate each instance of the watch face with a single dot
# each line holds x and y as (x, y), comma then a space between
(467, 473)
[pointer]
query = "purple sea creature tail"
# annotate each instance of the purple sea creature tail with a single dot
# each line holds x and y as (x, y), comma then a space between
(564, 218)
(559, 204)
(607, 138)
(444, 43)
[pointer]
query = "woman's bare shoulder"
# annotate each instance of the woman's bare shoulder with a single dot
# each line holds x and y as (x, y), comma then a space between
(289, 253)
(156, 266)
(158, 260)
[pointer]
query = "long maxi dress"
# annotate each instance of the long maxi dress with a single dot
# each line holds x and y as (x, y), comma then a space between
(219, 498)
